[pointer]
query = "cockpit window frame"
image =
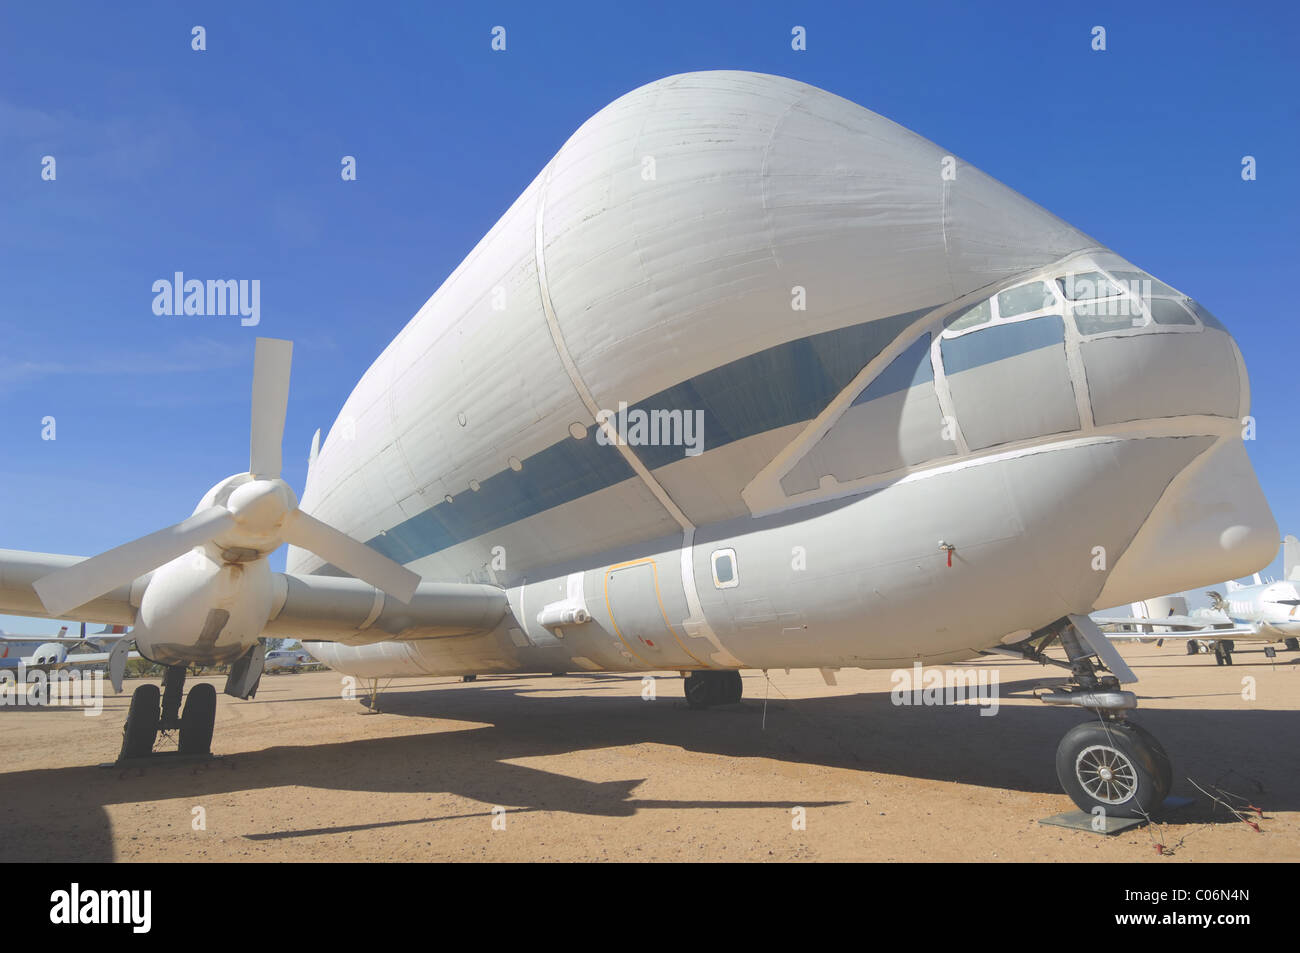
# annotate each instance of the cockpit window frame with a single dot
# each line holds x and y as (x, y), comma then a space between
(995, 312)
(1149, 325)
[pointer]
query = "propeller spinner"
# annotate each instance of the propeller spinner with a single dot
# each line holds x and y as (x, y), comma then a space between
(247, 516)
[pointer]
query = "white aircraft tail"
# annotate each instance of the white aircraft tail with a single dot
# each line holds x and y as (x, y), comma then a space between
(1158, 609)
(1291, 558)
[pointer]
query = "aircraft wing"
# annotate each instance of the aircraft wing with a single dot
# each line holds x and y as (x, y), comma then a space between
(344, 609)
(95, 658)
(1239, 633)
(309, 608)
(1179, 622)
(89, 639)
(18, 570)
(1183, 629)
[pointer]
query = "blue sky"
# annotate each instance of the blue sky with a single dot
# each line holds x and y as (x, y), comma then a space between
(226, 163)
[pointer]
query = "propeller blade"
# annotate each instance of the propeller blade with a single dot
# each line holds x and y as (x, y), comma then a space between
(351, 556)
(271, 364)
(66, 589)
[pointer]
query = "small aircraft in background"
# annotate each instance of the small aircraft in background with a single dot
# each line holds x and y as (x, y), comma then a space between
(60, 651)
(288, 660)
(1264, 611)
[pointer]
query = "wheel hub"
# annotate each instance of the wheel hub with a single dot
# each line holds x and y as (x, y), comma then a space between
(1106, 774)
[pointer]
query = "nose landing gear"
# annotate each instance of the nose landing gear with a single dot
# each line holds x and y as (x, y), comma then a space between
(1111, 764)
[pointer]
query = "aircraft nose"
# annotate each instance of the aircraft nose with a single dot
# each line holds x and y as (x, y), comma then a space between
(1150, 353)
(1170, 368)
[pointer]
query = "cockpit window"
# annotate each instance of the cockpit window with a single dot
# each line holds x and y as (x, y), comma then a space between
(1207, 319)
(1142, 285)
(1087, 285)
(1107, 314)
(1168, 311)
(895, 422)
(1034, 296)
(969, 318)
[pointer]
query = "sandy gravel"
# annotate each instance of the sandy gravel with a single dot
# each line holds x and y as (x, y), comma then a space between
(584, 768)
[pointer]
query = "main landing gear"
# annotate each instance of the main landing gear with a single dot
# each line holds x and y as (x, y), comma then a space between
(148, 715)
(709, 688)
(1222, 649)
(153, 712)
(1111, 764)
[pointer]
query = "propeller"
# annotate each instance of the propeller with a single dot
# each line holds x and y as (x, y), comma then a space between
(259, 513)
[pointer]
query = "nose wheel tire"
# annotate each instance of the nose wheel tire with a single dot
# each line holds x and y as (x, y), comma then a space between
(141, 728)
(198, 719)
(1164, 766)
(1114, 766)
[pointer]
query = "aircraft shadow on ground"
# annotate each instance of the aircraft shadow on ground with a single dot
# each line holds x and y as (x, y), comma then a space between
(1239, 751)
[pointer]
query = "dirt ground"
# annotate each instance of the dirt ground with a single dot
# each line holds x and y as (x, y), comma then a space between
(586, 768)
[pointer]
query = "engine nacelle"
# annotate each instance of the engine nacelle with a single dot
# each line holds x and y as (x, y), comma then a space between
(49, 653)
(203, 609)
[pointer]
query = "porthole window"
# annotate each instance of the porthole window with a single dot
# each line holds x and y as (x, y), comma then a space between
(725, 575)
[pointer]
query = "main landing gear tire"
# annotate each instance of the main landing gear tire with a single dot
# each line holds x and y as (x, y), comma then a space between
(198, 719)
(1192, 647)
(1292, 645)
(141, 728)
(1113, 765)
(1223, 653)
(706, 689)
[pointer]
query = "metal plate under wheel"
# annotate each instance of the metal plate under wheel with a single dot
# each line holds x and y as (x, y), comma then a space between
(1079, 821)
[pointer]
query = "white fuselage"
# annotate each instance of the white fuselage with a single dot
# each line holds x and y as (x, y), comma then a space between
(1272, 608)
(875, 363)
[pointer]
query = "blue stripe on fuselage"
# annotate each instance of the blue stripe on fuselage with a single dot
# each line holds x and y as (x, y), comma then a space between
(787, 384)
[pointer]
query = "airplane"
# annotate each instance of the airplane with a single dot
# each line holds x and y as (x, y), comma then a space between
(13, 646)
(1266, 611)
(289, 660)
(54, 652)
(937, 421)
